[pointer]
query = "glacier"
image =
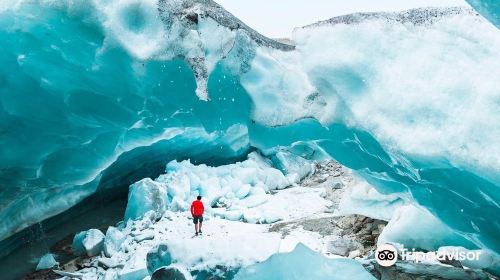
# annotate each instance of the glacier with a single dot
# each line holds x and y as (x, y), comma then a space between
(96, 95)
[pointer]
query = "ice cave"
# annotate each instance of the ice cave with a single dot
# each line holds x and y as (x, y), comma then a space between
(309, 153)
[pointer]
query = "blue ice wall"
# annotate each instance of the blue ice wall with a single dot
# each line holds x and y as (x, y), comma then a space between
(90, 99)
(490, 9)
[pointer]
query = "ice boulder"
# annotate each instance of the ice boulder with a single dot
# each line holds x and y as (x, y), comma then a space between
(46, 262)
(172, 272)
(113, 241)
(303, 263)
(78, 243)
(88, 242)
(146, 195)
(158, 256)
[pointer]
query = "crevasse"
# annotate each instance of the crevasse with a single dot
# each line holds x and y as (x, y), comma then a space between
(91, 90)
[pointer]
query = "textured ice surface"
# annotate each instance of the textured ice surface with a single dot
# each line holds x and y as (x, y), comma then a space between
(146, 195)
(417, 228)
(303, 263)
(99, 94)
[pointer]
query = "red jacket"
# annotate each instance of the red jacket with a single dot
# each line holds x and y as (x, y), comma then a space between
(197, 208)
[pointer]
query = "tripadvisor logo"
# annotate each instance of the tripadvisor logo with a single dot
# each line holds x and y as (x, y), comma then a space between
(386, 255)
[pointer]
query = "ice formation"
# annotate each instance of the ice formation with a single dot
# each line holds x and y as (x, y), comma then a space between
(89, 242)
(303, 263)
(46, 262)
(236, 192)
(417, 228)
(95, 95)
(490, 9)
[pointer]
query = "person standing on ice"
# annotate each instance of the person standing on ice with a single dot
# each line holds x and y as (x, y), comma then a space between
(197, 210)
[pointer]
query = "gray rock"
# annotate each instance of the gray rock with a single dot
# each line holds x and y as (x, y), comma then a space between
(419, 16)
(341, 246)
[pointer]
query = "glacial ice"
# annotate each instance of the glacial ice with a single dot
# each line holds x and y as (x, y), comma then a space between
(414, 227)
(408, 100)
(490, 9)
(88, 242)
(303, 263)
(144, 196)
(113, 241)
(46, 262)
(157, 257)
(363, 199)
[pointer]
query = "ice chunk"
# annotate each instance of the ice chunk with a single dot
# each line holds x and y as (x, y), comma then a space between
(90, 242)
(271, 217)
(243, 191)
(233, 215)
(77, 244)
(113, 241)
(275, 180)
(110, 274)
(144, 196)
(252, 216)
(46, 262)
(158, 256)
(235, 187)
(93, 242)
(303, 263)
(147, 235)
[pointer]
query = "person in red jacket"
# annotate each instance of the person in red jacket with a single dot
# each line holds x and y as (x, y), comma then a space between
(197, 210)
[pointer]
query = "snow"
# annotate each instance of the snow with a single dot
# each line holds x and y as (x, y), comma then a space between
(231, 244)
